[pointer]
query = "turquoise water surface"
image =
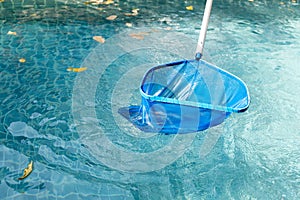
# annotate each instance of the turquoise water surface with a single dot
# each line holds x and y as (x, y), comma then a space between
(67, 122)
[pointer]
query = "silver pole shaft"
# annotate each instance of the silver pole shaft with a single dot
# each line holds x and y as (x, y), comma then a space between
(204, 26)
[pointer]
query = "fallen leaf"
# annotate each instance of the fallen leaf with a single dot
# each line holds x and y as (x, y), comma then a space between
(128, 24)
(99, 39)
(94, 2)
(136, 36)
(112, 17)
(11, 33)
(34, 15)
(79, 69)
(1, 1)
(27, 171)
(134, 12)
(139, 36)
(108, 2)
(189, 8)
(87, 2)
(22, 60)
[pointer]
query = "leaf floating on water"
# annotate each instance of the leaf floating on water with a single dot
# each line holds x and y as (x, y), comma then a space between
(112, 17)
(22, 60)
(27, 171)
(95, 2)
(136, 36)
(11, 33)
(76, 69)
(189, 8)
(34, 15)
(1, 1)
(139, 36)
(108, 2)
(87, 2)
(134, 12)
(99, 39)
(128, 24)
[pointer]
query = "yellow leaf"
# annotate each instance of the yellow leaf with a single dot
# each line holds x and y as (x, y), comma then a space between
(112, 17)
(79, 69)
(27, 171)
(22, 60)
(34, 15)
(1, 1)
(11, 33)
(189, 8)
(94, 2)
(99, 39)
(87, 2)
(128, 24)
(108, 2)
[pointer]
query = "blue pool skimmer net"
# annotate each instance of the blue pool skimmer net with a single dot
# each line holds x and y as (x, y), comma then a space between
(188, 95)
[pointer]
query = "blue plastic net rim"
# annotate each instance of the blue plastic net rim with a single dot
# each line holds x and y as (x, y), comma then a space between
(191, 103)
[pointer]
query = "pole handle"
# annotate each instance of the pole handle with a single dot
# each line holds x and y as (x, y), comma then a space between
(204, 25)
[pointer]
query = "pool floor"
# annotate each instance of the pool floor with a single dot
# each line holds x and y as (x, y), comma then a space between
(61, 88)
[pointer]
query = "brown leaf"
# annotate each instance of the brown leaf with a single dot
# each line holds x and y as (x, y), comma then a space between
(108, 2)
(139, 36)
(27, 171)
(99, 39)
(112, 17)
(136, 36)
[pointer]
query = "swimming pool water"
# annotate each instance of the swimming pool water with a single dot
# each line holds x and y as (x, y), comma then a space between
(82, 148)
